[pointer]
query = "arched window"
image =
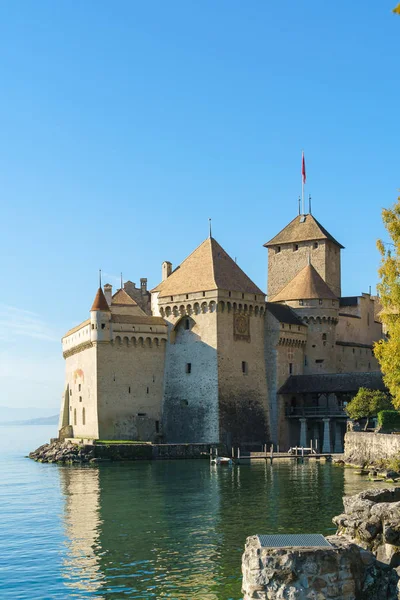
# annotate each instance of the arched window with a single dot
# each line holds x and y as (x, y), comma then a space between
(83, 416)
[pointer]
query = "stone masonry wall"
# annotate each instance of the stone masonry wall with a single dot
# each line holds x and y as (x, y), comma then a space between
(362, 448)
(283, 266)
(243, 397)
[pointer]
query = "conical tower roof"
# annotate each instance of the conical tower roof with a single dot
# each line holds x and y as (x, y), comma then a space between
(303, 228)
(209, 267)
(100, 302)
(307, 284)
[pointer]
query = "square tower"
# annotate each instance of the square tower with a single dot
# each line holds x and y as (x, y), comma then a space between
(303, 241)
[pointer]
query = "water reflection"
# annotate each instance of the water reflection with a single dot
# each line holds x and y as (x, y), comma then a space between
(177, 529)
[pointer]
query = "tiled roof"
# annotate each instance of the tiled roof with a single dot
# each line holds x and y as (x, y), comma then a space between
(122, 298)
(307, 284)
(138, 319)
(209, 267)
(100, 302)
(303, 228)
(335, 382)
(77, 328)
(284, 314)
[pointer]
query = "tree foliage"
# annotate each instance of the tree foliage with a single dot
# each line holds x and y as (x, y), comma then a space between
(397, 9)
(387, 351)
(367, 403)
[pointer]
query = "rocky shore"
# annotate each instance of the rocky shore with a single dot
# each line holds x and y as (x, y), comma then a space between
(363, 562)
(63, 453)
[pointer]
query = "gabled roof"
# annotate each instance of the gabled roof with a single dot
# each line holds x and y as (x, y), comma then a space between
(284, 314)
(332, 382)
(100, 302)
(307, 284)
(122, 298)
(209, 267)
(303, 228)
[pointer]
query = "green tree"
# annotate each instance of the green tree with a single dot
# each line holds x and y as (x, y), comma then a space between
(367, 403)
(387, 351)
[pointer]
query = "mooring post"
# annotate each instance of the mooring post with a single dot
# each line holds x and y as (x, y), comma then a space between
(238, 454)
(277, 449)
(272, 452)
(302, 451)
(233, 452)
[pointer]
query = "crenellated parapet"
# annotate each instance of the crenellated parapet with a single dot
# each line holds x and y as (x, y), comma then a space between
(171, 311)
(139, 342)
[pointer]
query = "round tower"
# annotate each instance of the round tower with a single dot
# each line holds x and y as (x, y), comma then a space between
(100, 318)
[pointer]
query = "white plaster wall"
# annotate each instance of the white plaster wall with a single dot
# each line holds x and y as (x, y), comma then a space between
(81, 370)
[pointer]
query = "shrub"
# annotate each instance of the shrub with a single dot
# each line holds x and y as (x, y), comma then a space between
(389, 420)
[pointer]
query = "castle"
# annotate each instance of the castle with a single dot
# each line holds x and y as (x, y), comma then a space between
(204, 358)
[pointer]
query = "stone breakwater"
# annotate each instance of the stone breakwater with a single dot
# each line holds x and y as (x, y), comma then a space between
(361, 449)
(363, 562)
(63, 452)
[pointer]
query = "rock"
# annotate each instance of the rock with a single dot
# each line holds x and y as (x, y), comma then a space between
(62, 452)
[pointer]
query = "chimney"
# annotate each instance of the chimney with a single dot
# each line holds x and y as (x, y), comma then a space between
(143, 285)
(108, 293)
(166, 269)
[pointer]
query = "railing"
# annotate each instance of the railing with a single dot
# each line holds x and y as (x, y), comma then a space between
(316, 411)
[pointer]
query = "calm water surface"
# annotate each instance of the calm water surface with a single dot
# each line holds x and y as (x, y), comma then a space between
(148, 530)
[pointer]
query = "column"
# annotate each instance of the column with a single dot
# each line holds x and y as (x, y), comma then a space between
(316, 442)
(303, 433)
(326, 446)
(338, 447)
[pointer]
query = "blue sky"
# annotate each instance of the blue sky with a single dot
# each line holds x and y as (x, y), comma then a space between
(125, 125)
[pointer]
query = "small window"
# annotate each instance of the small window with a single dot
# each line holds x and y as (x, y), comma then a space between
(204, 294)
(283, 325)
(188, 368)
(290, 368)
(295, 247)
(245, 368)
(277, 249)
(83, 416)
(141, 414)
(103, 325)
(305, 361)
(301, 302)
(187, 296)
(324, 336)
(319, 361)
(147, 390)
(70, 392)
(79, 387)
(353, 351)
(290, 327)
(333, 302)
(369, 366)
(187, 324)
(74, 416)
(157, 426)
(92, 326)
(298, 328)
(320, 302)
(172, 298)
(315, 244)
(229, 294)
(242, 296)
(80, 398)
(368, 319)
(129, 389)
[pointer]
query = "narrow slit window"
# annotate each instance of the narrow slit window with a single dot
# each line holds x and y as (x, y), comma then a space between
(187, 324)
(83, 416)
(188, 368)
(74, 416)
(157, 426)
(245, 368)
(129, 389)
(290, 368)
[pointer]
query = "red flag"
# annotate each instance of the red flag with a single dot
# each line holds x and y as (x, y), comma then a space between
(303, 168)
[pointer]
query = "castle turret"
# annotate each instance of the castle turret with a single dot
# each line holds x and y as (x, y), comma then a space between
(289, 252)
(100, 318)
(318, 307)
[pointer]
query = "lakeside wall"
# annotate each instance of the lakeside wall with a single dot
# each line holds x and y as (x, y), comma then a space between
(361, 448)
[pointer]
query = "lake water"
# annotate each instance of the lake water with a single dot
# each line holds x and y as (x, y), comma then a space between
(148, 530)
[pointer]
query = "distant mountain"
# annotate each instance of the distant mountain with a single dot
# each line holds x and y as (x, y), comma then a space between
(25, 413)
(40, 421)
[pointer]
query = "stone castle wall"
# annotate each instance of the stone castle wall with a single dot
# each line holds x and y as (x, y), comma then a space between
(190, 407)
(130, 388)
(242, 379)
